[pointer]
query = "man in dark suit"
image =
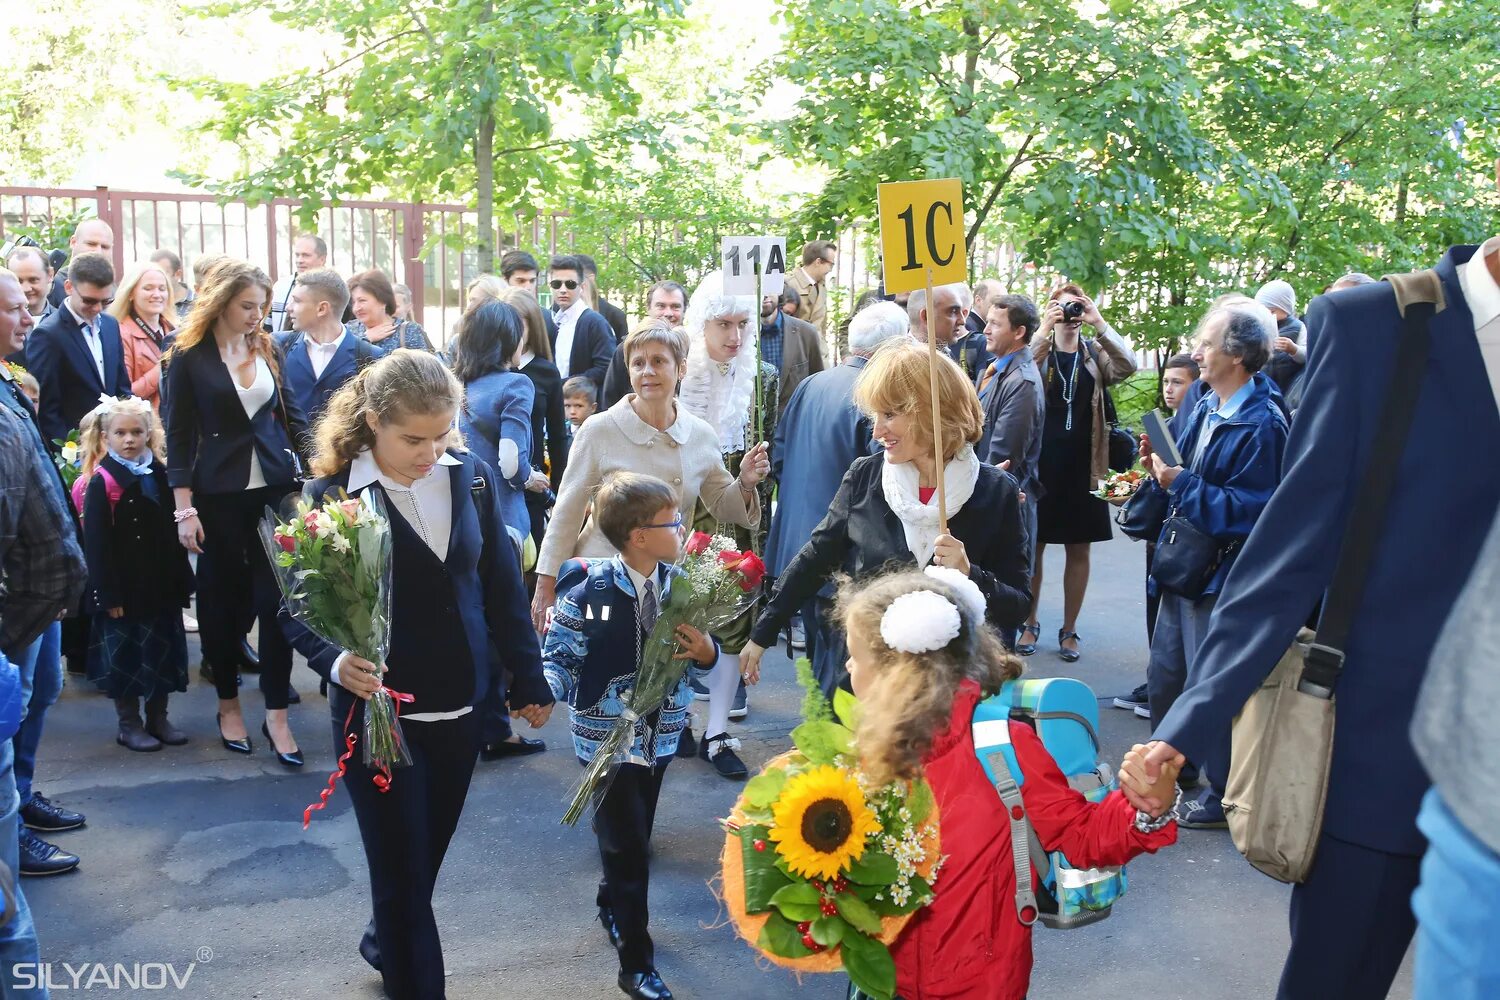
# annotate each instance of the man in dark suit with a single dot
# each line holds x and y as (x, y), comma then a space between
(613, 314)
(818, 437)
(583, 344)
(666, 301)
(319, 355)
(1351, 919)
(790, 344)
(90, 236)
(75, 353)
(1014, 401)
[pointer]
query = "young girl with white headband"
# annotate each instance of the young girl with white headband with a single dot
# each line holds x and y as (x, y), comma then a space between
(920, 659)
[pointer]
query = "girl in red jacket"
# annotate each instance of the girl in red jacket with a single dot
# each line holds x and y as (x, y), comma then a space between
(920, 659)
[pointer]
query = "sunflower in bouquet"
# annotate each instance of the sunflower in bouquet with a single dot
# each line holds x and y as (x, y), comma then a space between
(822, 871)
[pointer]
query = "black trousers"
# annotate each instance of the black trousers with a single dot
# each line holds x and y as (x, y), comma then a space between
(234, 574)
(406, 832)
(1153, 601)
(1351, 923)
(622, 824)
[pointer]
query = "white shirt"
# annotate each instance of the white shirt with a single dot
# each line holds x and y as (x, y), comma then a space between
(426, 505)
(1483, 297)
(280, 294)
(91, 337)
(253, 400)
(319, 355)
(567, 322)
(639, 583)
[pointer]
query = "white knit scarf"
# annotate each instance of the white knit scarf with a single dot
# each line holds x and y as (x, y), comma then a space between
(704, 395)
(919, 520)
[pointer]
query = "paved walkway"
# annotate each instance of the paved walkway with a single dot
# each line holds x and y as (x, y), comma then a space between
(192, 854)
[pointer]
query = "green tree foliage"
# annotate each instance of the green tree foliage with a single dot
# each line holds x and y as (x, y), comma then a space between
(1165, 151)
(434, 99)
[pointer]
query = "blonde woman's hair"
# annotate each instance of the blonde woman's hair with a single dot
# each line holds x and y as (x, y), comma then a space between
(403, 383)
(93, 432)
(123, 307)
(525, 303)
(908, 697)
(657, 331)
(488, 285)
(225, 282)
(896, 380)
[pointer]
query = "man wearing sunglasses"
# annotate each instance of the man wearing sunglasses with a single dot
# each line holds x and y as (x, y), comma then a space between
(583, 343)
(75, 353)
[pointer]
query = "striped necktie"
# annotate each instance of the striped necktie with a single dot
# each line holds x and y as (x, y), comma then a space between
(650, 611)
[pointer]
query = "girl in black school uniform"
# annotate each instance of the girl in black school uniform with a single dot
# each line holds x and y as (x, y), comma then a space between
(139, 578)
(456, 593)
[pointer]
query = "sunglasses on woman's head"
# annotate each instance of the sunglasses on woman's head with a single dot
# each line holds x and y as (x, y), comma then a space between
(563, 283)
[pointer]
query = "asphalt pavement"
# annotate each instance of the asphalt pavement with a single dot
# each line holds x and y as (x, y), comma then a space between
(195, 862)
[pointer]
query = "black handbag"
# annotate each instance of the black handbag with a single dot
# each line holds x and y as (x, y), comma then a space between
(1142, 515)
(1124, 449)
(1187, 557)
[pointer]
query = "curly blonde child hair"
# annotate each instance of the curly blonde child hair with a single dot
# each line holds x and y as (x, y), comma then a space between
(908, 697)
(93, 432)
(403, 383)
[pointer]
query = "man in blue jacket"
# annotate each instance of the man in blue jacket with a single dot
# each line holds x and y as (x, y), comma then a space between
(319, 356)
(1351, 920)
(818, 437)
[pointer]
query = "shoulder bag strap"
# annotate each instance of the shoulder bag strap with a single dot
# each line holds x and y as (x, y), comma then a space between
(1111, 416)
(1325, 657)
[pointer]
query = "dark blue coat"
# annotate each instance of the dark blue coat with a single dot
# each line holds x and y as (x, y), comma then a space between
(820, 434)
(60, 359)
(312, 393)
(1225, 489)
(497, 406)
(1441, 507)
(449, 618)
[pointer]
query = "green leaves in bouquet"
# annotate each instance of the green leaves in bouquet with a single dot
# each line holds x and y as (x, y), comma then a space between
(869, 965)
(781, 937)
(830, 931)
(815, 707)
(860, 914)
(761, 792)
(846, 708)
(763, 879)
(797, 902)
(822, 742)
(921, 895)
(920, 802)
(873, 868)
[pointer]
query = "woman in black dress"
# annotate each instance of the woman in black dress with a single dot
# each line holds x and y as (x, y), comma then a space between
(1075, 450)
(549, 435)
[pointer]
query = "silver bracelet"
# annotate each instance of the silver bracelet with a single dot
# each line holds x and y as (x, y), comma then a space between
(1146, 823)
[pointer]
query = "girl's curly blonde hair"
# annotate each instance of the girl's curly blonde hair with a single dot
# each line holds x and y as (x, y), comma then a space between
(908, 697)
(93, 432)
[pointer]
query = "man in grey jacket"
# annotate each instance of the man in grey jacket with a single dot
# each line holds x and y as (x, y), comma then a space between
(1014, 402)
(1458, 901)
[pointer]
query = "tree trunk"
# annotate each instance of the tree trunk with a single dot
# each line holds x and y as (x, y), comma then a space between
(1402, 193)
(484, 164)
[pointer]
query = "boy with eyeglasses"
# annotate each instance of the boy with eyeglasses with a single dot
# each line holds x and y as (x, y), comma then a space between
(584, 343)
(590, 656)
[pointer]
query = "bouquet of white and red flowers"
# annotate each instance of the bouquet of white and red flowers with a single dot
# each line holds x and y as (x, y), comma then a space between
(333, 565)
(1121, 486)
(712, 584)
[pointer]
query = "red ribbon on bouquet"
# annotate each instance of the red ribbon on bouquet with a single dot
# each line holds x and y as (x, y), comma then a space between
(382, 780)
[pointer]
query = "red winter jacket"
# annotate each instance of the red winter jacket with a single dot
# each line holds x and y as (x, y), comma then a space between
(968, 944)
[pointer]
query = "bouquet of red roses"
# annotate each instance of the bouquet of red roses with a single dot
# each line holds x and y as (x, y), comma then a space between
(712, 584)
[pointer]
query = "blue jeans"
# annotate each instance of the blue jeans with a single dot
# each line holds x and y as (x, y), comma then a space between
(41, 684)
(1458, 910)
(17, 938)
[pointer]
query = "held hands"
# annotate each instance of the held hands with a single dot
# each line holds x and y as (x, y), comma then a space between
(536, 715)
(117, 612)
(694, 645)
(950, 552)
(190, 534)
(1148, 776)
(542, 601)
(755, 466)
(750, 662)
(359, 676)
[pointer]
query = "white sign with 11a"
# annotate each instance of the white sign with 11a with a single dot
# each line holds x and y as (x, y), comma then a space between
(744, 257)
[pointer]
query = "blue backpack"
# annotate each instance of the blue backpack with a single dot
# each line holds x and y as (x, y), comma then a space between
(1065, 715)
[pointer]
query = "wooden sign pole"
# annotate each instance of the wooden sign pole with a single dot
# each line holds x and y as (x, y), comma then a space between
(937, 419)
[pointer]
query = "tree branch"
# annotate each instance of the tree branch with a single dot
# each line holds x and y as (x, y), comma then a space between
(989, 202)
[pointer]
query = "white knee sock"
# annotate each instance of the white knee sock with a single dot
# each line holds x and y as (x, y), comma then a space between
(723, 680)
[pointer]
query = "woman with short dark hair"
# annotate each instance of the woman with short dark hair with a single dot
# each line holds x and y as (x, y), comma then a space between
(372, 299)
(495, 419)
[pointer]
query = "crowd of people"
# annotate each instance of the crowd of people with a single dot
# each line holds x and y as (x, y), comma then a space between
(545, 450)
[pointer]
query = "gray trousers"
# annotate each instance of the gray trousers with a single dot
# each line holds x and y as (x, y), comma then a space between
(1181, 625)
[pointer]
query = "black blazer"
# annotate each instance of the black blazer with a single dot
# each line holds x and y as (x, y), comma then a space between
(593, 347)
(549, 434)
(135, 561)
(60, 359)
(615, 317)
(208, 435)
(861, 536)
(616, 380)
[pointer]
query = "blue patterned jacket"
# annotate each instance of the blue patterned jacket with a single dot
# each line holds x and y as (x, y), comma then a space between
(590, 659)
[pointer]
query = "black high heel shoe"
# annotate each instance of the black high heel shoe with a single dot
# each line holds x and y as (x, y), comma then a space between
(1068, 655)
(236, 746)
(1028, 648)
(293, 759)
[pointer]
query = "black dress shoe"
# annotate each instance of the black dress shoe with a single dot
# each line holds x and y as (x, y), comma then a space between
(369, 947)
(41, 858)
(687, 744)
(292, 697)
(41, 814)
(249, 658)
(644, 985)
(293, 759)
(607, 919)
(235, 746)
(206, 671)
(523, 746)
